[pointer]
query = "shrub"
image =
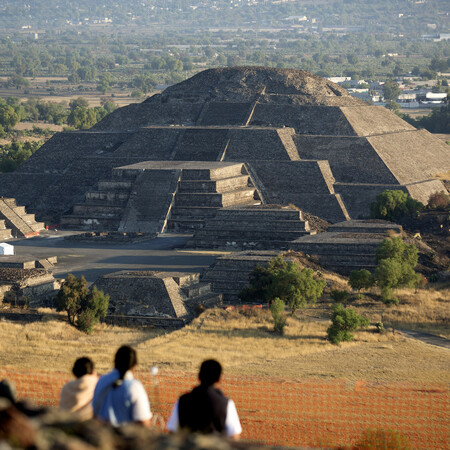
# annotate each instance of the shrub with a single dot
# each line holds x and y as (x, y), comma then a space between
(285, 280)
(339, 296)
(277, 310)
(344, 321)
(393, 205)
(84, 308)
(439, 200)
(360, 279)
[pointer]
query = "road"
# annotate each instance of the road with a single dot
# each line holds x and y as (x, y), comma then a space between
(164, 253)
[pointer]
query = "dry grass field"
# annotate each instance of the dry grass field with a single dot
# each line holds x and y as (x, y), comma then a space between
(296, 389)
(245, 343)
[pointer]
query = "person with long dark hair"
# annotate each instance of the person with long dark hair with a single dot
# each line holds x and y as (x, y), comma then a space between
(118, 397)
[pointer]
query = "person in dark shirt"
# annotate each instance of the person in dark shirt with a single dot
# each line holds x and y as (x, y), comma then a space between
(206, 409)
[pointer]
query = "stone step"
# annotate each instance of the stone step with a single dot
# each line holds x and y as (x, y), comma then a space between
(119, 198)
(242, 263)
(334, 249)
(213, 173)
(222, 185)
(188, 279)
(258, 214)
(208, 300)
(194, 212)
(11, 202)
(237, 197)
(97, 209)
(248, 234)
(114, 185)
(5, 234)
(218, 223)
(2, 225)
(197, 290)
(19, 210)
(346, 259)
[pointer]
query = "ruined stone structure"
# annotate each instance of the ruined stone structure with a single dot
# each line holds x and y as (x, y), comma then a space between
(297, 138)
(153, 295)
(15, 222)
(344, 247)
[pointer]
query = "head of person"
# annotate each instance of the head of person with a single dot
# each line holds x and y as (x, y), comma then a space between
(210, 372)
(8, 391)
(83, 366)
(125, 359)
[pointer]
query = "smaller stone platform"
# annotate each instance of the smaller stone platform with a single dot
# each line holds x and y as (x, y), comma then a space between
(257, 227)
(147, 295)
(30, 287)
(348, 246)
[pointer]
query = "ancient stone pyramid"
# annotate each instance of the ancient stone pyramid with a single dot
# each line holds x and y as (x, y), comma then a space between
(300, 139)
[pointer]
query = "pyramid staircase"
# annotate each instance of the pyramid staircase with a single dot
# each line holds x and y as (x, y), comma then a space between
(103, 207)
(202, 192)
(17, 220)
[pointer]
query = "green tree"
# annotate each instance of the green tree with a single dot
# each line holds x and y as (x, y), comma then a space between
(360, 279)
(393, 204)
(8, 117)
(344, 321)
(82, 118)
(395, 267)
(84, 308)
(285, 280)
(391, 90)
(277, 310)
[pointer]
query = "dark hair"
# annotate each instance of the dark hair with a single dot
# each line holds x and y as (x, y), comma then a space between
(210, 372)
(125, 359)
(83, 366)
(8, 390)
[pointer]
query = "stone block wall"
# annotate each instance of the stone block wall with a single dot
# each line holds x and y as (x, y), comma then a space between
(351, 159)
(248, 144)
(318, 120)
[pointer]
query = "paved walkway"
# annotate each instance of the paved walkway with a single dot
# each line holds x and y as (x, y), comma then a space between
(427, 337)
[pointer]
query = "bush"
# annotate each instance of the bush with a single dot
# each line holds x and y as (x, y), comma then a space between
(84, 308)
(439, 200)
(339, 296)
(277, 310)
(393, 205)
(344, 321)
(360, 279)
(285, 280)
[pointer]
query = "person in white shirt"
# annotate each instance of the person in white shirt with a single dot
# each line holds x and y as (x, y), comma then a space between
(118, 397)
(206, 409)
(76, 395)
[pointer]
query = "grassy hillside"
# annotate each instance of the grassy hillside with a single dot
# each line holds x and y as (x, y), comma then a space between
(245, 343)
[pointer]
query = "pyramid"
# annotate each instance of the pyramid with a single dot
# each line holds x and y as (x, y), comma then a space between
(300, 139)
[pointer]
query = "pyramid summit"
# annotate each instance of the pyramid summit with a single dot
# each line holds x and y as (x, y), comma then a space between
(224, 138)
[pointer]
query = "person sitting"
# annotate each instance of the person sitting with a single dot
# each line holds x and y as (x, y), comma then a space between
(76, 395)
(206, 409)
(118, 397)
